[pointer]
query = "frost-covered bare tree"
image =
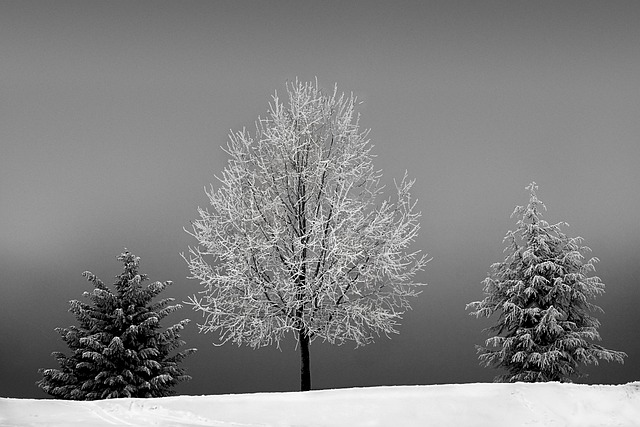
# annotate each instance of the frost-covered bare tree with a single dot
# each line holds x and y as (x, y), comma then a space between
(295, 239)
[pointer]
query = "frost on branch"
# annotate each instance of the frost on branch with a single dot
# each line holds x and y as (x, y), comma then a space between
(542, 294)
(295, 240)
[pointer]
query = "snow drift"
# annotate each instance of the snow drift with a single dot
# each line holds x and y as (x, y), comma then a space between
(540, 404)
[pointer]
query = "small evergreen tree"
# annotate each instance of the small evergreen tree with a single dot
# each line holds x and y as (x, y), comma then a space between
(119, 350)
(541, 293)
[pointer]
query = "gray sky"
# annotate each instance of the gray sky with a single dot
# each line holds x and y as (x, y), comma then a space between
(112, 115)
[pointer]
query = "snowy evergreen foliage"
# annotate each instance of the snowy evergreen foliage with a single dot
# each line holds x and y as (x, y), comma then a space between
(294, 241)
(541, 293)
(119, 349)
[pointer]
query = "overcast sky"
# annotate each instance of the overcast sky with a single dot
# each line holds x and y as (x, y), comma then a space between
(112, 115)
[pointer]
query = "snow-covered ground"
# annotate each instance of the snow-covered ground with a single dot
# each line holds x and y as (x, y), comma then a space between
(542, 404)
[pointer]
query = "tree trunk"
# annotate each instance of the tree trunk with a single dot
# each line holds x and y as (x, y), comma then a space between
(305, 369)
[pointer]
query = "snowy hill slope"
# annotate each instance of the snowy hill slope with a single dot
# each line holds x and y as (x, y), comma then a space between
(542, 404)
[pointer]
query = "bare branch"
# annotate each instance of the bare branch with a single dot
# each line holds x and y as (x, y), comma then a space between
(294, 238)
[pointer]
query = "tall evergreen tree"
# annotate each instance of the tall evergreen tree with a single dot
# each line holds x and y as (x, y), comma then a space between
(541, 293)
(119, 349)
